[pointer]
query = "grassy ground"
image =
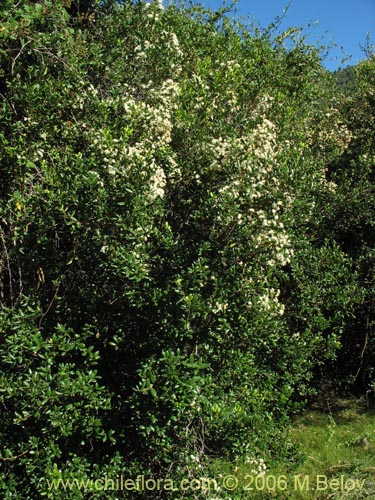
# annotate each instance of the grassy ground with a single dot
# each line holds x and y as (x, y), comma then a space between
(337, 441)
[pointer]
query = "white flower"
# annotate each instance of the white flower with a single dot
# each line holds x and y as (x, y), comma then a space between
(219, 307)
(157, 184)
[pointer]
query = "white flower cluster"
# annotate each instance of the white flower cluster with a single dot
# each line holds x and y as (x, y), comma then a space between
(252, 160)
(174, 44)
(162, 39)
(262, 141)
(141, 50)
(157, 183)
(331, 136)
(153, 9)
(259, 465)
(272, 236)
(219, 307)
(168, 93)
(337, 136)
(298, 339)
(278, 245)
(260, 144)
(264, 104)
(158, 4)
(219, 150)
(153, 123)
(269, 302)
(230, 65)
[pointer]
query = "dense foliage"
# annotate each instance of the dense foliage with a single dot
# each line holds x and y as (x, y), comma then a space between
(350, 221)
(180, 245)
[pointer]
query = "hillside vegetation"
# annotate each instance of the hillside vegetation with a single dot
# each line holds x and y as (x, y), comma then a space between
(186, 244)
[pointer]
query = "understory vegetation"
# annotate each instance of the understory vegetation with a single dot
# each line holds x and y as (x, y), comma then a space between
(334, 440)
(187, 243)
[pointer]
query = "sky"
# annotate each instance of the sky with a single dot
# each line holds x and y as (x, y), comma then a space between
(342, 24)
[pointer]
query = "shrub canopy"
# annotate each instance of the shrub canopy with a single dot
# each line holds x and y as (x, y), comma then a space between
(166, 291)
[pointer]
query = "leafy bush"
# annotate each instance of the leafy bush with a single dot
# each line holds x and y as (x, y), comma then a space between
(165, 296)
(348, 218)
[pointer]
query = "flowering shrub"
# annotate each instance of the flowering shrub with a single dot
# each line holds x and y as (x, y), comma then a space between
(165, 297)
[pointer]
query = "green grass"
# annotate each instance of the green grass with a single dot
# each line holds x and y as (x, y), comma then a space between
(337, 441)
